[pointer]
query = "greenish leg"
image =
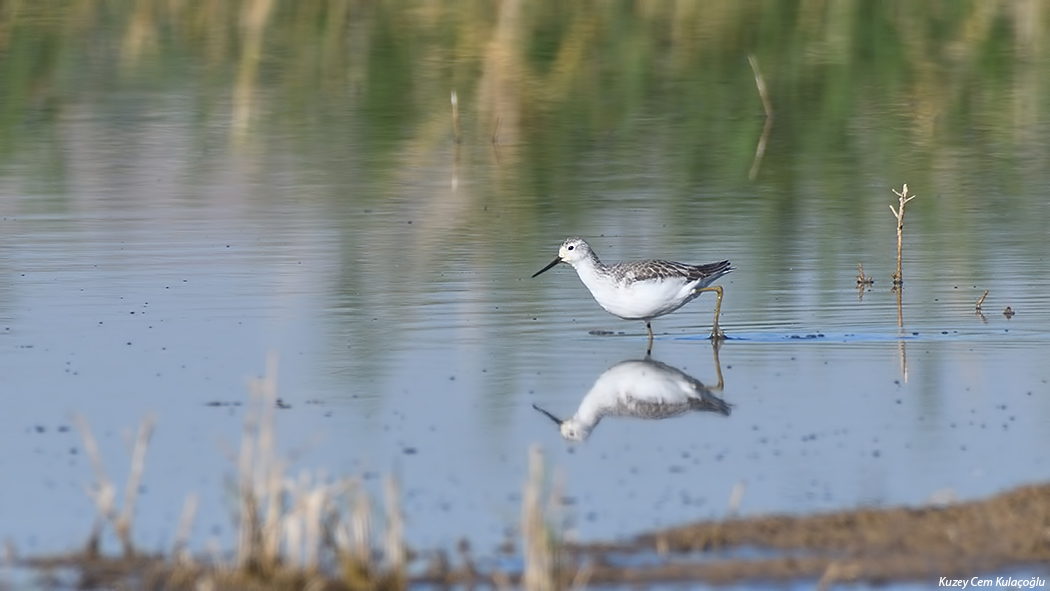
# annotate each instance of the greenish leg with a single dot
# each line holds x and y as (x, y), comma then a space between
(716, 333)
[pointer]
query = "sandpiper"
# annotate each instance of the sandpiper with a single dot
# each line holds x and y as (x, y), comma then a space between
(643, 388)
(642, 290)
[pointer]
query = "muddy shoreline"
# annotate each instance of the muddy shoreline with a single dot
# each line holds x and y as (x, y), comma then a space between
(1006, 533)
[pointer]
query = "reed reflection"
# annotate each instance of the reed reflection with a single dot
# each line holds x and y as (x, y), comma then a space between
(644, 389)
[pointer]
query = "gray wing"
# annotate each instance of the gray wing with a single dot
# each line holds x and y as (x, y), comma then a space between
(653, 269)
(646, 409)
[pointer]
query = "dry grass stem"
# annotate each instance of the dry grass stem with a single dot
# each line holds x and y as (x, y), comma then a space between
(981, 301)
(760, 83)
(495, 131)
(182, 534)
(308, 532)
(760, 149)
(291, 528)
(735, 498)
(455, 116)
(131, 491)
(103, 493)
(393, 541)
(539, 543)
(898, 277)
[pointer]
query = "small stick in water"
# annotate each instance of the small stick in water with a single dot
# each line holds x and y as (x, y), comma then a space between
(863, 279)
(898, 277)
(981, 301)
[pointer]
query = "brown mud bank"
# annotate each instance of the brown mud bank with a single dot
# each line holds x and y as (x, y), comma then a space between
(1003, 533)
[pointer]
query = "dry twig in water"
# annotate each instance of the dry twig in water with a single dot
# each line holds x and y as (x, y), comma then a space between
(981, 301)
(898, 277)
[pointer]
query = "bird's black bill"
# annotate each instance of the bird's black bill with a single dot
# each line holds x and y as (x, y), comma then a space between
(547, 268)
(552, 417)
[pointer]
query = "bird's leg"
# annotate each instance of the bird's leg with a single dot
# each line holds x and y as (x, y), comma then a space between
(648, 327)
(716, 333)
(715, 346)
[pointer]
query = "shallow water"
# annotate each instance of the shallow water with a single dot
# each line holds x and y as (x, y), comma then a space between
(166, 252)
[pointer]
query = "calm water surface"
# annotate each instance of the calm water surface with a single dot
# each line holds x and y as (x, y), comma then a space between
(165, 252)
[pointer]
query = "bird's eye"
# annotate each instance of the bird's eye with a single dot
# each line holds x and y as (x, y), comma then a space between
(571, 247)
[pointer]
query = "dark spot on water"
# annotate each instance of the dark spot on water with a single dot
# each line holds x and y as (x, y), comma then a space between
(409, 451)
(40, 428)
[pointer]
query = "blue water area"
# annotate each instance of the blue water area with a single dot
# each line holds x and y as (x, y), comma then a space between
(188, 190)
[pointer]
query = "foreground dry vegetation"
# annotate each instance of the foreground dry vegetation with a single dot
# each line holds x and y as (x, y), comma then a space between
(311, 533)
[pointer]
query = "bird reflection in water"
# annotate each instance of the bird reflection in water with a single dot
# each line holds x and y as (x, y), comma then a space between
(641, 388)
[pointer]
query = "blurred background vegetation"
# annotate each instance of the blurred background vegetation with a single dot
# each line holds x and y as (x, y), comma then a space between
(347, 80)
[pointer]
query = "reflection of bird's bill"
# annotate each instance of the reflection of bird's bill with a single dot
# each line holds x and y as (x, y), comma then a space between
(552, 417)
(547, 268)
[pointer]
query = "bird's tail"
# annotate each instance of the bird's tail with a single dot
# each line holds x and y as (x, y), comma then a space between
(712, 271)
(708, 402)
